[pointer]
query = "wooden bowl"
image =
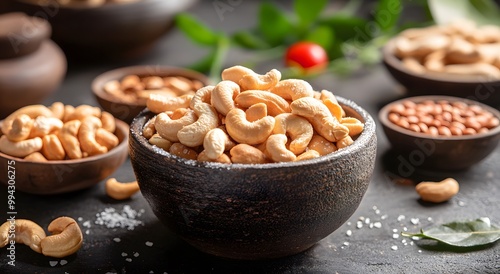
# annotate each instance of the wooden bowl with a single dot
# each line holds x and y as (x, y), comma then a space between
(420, 150)
(56, 177)
(106, 31)
(478, 88)
(250, 212)
(126, 111)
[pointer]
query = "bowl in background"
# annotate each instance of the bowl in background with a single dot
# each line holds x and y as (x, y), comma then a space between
(478, 88)
(250, 212)
(423, 150)
(112, 30)
(126, 111)
(54, 177)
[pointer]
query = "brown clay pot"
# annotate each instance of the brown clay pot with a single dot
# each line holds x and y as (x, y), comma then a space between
(31, 65)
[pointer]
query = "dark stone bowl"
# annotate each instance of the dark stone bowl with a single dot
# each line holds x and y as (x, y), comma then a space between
(255, 212)
(478, 88)
(420, 150)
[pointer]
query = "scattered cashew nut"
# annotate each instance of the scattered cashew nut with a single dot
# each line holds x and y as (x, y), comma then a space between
(26, 232)
(66, 238)
(121, 191)
(437, 192)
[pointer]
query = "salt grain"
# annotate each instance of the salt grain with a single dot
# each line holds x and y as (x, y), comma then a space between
(87, 232)
(359, 224)
(80, 219)
(414, 221)
(124, 219)
(429, 219)
(394, 230)
(136, 254)
(348, 232)
(401, 217)
(53, 263)
(377, 224)
(367, 220)
(383, 217)
(395, 236)
(117, 240)
(419, 251)
(86, 224)
(128, 260)
(405, 229)
(124, 254)
(346, 243)
(63, 262)
(148, 243)
(461, 203)
(394, 247)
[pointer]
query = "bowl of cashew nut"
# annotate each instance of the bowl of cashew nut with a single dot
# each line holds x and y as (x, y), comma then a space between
(458, 59)
(254, 167)
(124, 91)
(60, 148)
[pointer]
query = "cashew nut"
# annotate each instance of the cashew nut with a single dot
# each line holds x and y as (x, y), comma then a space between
(320, 117)
(36, 157)
(65, 240)
(223, 95)
(149, 128)
(45, 125)
(223, 158)
(108, 121)
(157, 140)
(20, 149)
(52, 148)
(243, 131)
(201, 98)
(307, 155)
(480, 69)
(68, 112)
(354, 125)
(420, 46)
(256, 112)
(21, 128)
(413, 65)
(247, 154)
(26, 232)
(106, 138)
(216, 142)
(236, 73)
(332, 104)
(462, 52)
(87, 138)
(159, 103)
(321, 145)
(32, 111)
(292, 89)
(437, 192)
(298, 128)
(276, 148)
(83, 111)
(69, 140)
(345, 142)
(57, 109)
(168, 128)
(275, 104)
(183, 151)
(120, 191)
(435, 61)
(256, 81)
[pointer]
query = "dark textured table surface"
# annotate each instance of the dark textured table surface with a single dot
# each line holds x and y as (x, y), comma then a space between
(387, 208)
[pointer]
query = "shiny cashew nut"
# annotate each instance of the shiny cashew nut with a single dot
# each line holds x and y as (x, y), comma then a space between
(68, 135)
(223, 158)
(223, 95)
(256, 112)
(68, 112)
(157, 140)
(168, 128)
(22, 148)
(26, 232)
(45, 125)
(276, 148)
(462, 51)
(52, 148)
(307, 155)
(83, 111)
(183, 151)
(437, 192)
(275, 104)
(57, 109)
(149, 128)
(293, 89)
(32, 111)
(108, 121)
(480, 69)
(354, 125)
(320, 117)
(256, 81)
(236, 73)
(36, 157)
(321, 145)
(243, 131)
(120, 191)
(87, 136)
(66, 238)
(298, 128)
(344, 142)
(159, 103)
(21, 128)
(216, 142)
(247, 154)
(106, 138)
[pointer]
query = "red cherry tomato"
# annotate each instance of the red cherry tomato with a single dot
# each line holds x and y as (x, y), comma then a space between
(306, 55)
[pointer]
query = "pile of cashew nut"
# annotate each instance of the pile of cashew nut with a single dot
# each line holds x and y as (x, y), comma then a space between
(134, 88)
(460, 48)
(59, 132)
(250, 118)
(66, 238)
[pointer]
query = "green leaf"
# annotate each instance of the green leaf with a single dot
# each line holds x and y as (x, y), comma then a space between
(446, 11)
(462, 234)
(387, 14)
(249, 40)
(196, 30)
(307, 11)
(273, 24)
(348, 28)
(486, 7)
(321, 35)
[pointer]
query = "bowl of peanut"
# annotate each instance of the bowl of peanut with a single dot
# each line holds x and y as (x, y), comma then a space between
(60, 148)
(459, 59)
(254, 167)
(441, 132)
(124, 91)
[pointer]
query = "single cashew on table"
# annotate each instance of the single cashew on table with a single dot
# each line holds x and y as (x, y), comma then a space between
(59, 132)
(460, 48)
(437, 192)
(66, 238)
(249, 118)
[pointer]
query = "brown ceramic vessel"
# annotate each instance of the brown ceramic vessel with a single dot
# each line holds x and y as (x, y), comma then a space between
(255, 211)
(422, 150)
(56, 177)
